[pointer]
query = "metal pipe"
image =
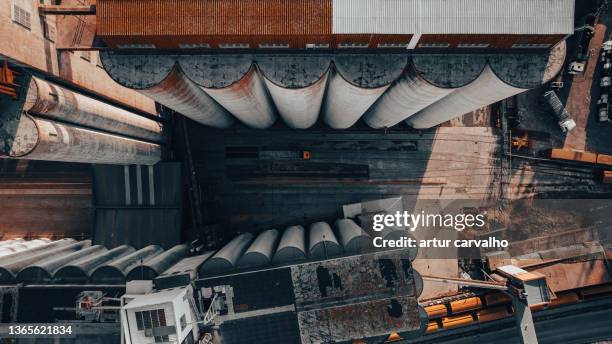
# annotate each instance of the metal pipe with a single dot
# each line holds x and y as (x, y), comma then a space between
(233, 81)
(58, 103)
(41, 139)
(427, 79)
(356, 82)
(297, 85)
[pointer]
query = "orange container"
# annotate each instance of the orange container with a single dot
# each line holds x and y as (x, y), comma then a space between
(432, 327)
(457, 321)
(604, 159)
(465, 305)
(436, 311)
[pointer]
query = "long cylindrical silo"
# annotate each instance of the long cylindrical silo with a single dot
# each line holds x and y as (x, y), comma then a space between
(13, 246)
(157, 264)
(353, 238)
(227, 257)
(10, 267)
(160, 78)
(42, 139)
(292, 246)
(10, 242)
(115, 272)
(503, 77)
(81, 269)
(30, 249)
(56, 102)
(427, 79)
(356, 82)
(261, 250)
(297, 85)
(233, 81)
(43, 271)
(322, 242)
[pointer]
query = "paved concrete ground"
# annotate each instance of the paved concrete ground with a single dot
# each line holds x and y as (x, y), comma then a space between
(580, 100)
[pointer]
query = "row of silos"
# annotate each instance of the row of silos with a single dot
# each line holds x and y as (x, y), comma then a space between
(383, 89)
(68, 261)
(294, 244)
(52, 122)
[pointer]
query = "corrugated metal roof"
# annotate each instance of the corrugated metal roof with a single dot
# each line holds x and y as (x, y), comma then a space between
(453, 16)
(215, 17)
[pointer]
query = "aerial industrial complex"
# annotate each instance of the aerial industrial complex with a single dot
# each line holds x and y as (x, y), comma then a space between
(305, 171)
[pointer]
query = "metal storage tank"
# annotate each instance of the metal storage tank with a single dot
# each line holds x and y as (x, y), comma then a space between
(322, 242)
(43, 271)
(41, 139)
(10, 266)
(56, 102)
(28, 248)
(297, 85)
(427, 79)
(160, 78)
(116, 271)
(227, 257)
(356, 82)
(10, 242)
(292, 246)
(503, 77)
(233, 81)
(80, 270)
(154, 266)
(182, 273)
(353, 238)
(18, 245)
(261, 250)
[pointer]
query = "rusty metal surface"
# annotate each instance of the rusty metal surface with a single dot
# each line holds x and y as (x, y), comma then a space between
(427, 79)
(183, 95)
(485, 90)
(371, 319)
(572, 275)
(226, 17)
(247, 100)
(372, 276)
(297, 85)
(56, 102)
(40, 139)
(167, 25)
